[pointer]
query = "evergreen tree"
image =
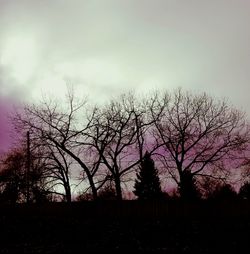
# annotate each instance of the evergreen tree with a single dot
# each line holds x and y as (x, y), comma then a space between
(147, 185)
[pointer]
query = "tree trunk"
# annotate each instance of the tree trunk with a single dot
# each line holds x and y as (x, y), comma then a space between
(93, 189)
(118, 188)
(187, 186)
(68, 193)
(84, 167)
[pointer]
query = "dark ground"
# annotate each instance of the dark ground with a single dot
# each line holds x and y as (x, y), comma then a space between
(125, 227)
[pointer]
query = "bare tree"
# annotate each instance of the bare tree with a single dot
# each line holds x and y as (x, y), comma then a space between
(117, 137)
(194, 135)
(197, 135)
(57, 130)
(58, 170)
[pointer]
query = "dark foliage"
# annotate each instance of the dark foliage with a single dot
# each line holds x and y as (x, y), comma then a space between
(147, 185)
(84, 196)
(14, 180)
(187, 187)
(223, 192)
(207, 186)
(13, 177)
(244, 192)
(107, 193)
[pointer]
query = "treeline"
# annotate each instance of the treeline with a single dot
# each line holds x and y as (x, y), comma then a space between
(130, 143)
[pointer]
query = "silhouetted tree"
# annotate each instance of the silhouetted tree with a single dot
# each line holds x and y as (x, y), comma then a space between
(198, 135)
(188, 189)
(244, 191)
(14, 179)
(224, 192)
(58, 165)
(58, 133)
(117, 135)
(108, 192)
(194, 135)
(147, 185)
(84, 196)
(207, 186)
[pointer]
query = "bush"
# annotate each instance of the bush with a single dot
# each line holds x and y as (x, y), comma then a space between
(84, 196)
(107, 193)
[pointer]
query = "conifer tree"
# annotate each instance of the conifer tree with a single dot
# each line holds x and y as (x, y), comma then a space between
(147, 185)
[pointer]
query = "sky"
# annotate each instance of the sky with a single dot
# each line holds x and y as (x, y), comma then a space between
(106, 47)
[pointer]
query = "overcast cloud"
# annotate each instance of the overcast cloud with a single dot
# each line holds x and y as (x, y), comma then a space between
(105, 47)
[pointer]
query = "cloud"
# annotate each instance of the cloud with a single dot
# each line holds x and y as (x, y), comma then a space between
(105, 47)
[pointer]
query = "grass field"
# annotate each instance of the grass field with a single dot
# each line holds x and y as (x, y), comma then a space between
(124, 227)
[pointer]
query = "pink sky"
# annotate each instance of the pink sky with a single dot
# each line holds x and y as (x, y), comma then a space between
(6, 107)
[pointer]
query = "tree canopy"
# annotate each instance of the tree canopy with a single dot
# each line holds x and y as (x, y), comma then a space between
(191, 136)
